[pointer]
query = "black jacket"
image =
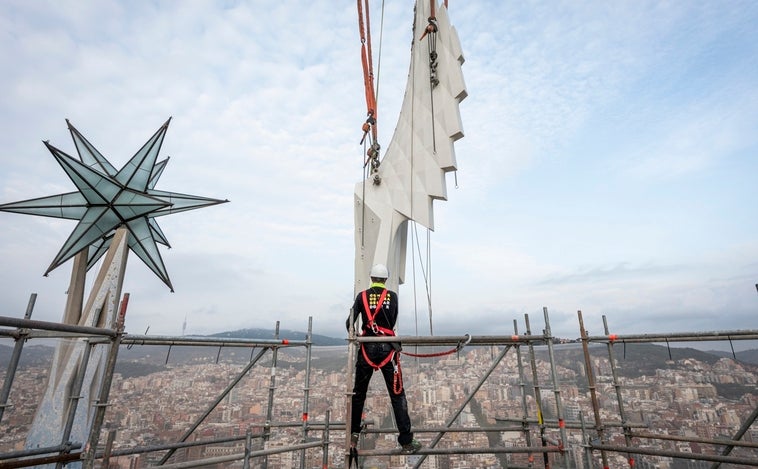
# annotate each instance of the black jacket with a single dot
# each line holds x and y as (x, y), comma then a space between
(387, 315)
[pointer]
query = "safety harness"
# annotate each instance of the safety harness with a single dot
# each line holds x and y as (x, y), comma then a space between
(397, 383)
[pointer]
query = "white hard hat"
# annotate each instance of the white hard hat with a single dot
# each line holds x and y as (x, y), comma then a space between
(379, 271)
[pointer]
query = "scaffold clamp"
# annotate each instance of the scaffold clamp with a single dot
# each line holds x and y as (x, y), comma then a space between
(460, 345)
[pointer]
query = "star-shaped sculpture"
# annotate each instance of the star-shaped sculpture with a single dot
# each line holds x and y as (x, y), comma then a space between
(108, 199)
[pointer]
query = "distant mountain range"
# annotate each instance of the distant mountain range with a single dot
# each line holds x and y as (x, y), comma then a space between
(635, 352)
(747, 356)
(317, 339)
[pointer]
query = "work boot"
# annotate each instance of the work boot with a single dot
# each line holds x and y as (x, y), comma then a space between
(354, 439)
(411, 447)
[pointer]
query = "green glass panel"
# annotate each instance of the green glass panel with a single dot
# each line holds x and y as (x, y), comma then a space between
(130, 204)
(140, 229)
(106, 223)
(106, 188)
(182, 202)
(158, 235)
(136, 173)
(143, 244)
(71, 205)
(82, 236)
(155, 174)
(88, 154)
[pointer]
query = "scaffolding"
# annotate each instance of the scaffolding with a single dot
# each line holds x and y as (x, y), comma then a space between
(546, 442)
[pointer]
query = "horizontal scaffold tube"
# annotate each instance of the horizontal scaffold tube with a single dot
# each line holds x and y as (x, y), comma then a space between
(676, 454)
(456, 340)
(499, 428)
(40, 334)
(208, 341)
(677, 337)
(690, 439)
(39, 461)
(575, 424)
(241, 456)
(459, 450)
(341, 426)
(51, 326)
(185, 444)
(39, 451)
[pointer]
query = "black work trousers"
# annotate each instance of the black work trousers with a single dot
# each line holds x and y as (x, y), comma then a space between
(377, 352)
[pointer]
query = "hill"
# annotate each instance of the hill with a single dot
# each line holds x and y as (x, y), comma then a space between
(318, 340)
(747, 356)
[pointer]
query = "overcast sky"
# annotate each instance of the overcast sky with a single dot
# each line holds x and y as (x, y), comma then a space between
(609, 161)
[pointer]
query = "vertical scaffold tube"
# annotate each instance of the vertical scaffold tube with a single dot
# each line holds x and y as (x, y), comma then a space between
(556, 388)
(248, 448)
(90, 449)
(352, 345)
(537, 393)
(591, 383)
(15, 357)
(325, 440)
(619, 399)
(307, 387)
(76, 395)
(522, 387)
(271, 389)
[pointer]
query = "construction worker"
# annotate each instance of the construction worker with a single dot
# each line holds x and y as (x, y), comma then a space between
(377, 308)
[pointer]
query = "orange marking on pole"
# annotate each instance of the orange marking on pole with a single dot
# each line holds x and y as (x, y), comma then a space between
(561, 423)
(612, 337)
(285, 341)
(514, 337)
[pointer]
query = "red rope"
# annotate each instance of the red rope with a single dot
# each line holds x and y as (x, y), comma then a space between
(457, 348)
(431, 355)
(397, 383)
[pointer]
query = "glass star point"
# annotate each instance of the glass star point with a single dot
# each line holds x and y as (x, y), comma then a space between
(108, 199)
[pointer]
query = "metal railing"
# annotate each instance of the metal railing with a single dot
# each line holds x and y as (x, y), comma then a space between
(553, 444)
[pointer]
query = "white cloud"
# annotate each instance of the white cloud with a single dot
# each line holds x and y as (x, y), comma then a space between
(698, 137)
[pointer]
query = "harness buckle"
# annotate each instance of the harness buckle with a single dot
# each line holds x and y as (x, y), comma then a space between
(372, 325)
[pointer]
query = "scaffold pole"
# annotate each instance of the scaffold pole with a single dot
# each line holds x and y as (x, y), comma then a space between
(18, 347)
(593, 390)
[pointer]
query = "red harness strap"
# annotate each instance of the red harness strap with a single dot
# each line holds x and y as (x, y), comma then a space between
(376, 329)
